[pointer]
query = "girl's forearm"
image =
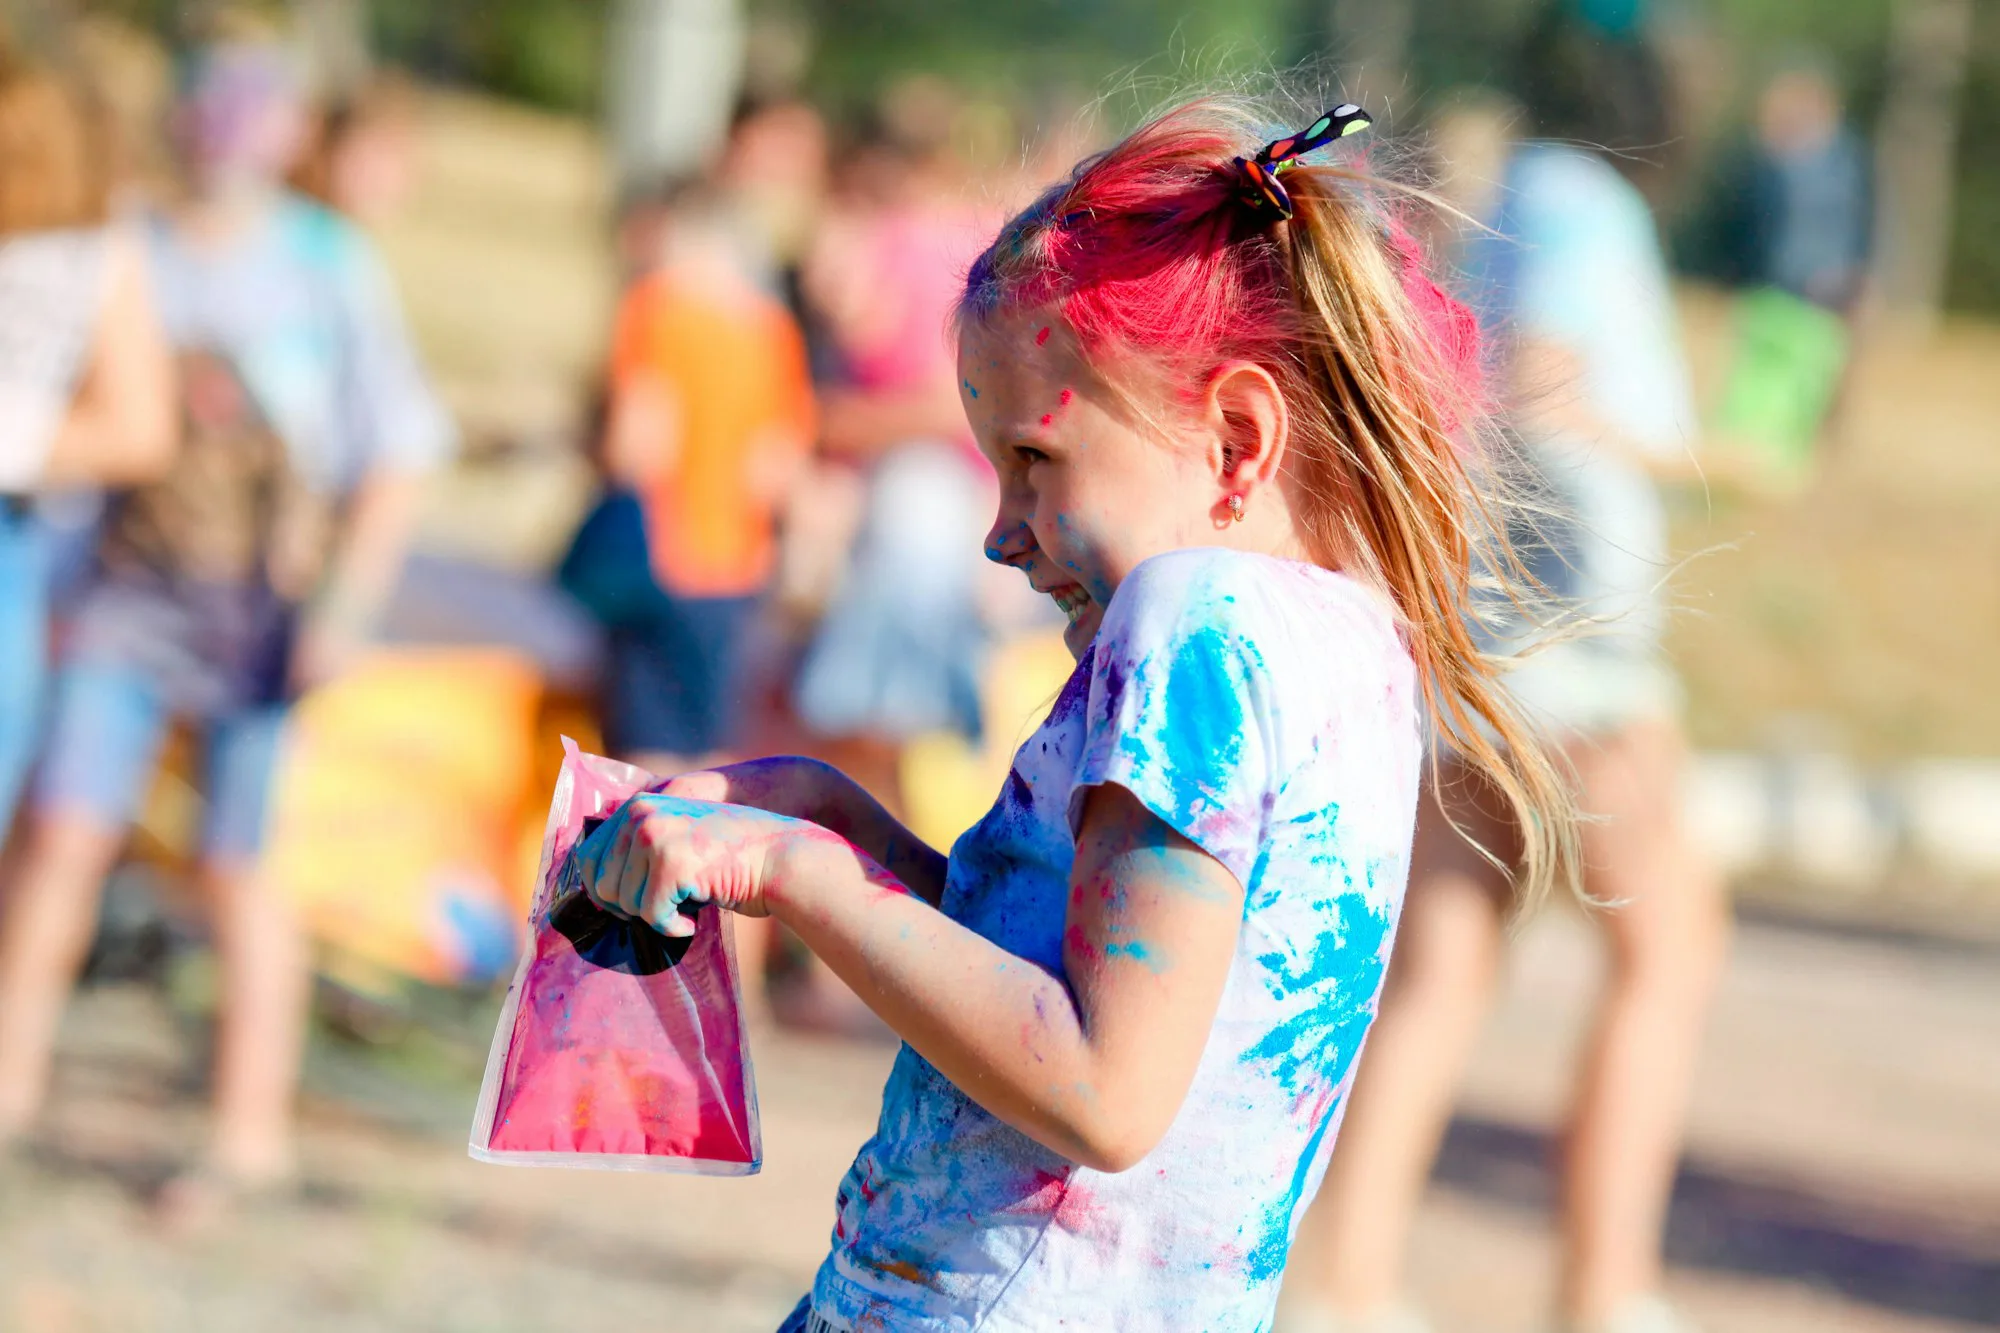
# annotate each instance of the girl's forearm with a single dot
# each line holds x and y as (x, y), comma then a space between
(369, 558)
(1005, 1031)
(821, 794)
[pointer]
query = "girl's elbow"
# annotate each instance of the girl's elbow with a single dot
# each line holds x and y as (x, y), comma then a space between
(1116, 1143)
(155, 442)
(1117, 1155)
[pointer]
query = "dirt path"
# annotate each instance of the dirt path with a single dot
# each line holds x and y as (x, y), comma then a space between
(1844, 1177)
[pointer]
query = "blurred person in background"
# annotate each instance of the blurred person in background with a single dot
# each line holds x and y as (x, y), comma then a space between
(250, 573)
(360, 157)
(772, 175)
(1805, 208)
(707, 417)
(899, 648)
(709, 409)
(1574, 285)
(1791, 230)
(86, 378)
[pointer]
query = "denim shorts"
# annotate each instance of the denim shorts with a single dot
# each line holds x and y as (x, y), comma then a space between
(106, 728)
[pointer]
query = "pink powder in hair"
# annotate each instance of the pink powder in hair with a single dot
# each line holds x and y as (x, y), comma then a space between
(1149, 250)
(1453, 328)
(1043, 336)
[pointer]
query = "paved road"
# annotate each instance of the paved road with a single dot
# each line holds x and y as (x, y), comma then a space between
(1844, 1178)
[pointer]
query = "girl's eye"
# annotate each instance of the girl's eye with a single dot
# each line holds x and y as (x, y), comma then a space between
(1029, 455)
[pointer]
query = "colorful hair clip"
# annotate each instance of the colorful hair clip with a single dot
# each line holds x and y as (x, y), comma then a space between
(1262, 170)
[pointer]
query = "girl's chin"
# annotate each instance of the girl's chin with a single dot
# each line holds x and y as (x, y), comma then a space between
(1079, 632)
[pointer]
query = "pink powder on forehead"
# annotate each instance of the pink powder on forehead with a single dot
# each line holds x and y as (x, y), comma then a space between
(1064, 397)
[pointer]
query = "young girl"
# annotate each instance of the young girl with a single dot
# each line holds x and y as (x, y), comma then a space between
(1227, 411)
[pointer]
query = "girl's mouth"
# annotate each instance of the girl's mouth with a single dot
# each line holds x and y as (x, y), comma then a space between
(1073, 600)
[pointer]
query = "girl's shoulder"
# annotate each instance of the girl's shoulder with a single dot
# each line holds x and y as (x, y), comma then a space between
(1280, 613)
(1244, 590)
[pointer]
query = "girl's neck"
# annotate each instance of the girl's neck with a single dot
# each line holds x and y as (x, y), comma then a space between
(213, 218)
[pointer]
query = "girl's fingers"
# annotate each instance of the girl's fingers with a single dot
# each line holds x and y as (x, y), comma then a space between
(665, 915)
(597, 857)
(634, 870)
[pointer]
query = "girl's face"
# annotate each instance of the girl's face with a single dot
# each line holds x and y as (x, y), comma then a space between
(1086, 491)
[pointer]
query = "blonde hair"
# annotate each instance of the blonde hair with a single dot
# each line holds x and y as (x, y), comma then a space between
(52, 151)
(1152, 252)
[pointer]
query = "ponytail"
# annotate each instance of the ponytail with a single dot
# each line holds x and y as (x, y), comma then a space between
(1388, 496)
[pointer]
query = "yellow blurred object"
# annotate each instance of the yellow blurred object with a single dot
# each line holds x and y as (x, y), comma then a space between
(948, 784)
(396, 821)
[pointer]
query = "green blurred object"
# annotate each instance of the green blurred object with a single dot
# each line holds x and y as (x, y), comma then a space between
(1785, 364)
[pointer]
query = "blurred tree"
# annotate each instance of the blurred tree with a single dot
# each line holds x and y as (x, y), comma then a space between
(672, 74)
(1037, 55)
(1025, 49)
(549, 52)
(1372, 39)
(335, 35)
(1915, 163)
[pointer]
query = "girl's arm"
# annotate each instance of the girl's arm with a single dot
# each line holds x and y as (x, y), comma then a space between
(642, 430)
(819, 793)
(366, 562)
(1093, 1063)
(123, 424)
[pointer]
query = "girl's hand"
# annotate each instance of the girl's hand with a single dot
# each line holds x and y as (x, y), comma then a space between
(659, 852)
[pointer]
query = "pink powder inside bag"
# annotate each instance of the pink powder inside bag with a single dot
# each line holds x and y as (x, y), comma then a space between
(612, 1060)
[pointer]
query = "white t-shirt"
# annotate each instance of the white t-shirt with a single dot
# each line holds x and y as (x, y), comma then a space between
(52, 291)
(1267, 711)
(1584, 271)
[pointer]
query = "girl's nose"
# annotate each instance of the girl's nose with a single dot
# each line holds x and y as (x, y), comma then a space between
(1008, 540)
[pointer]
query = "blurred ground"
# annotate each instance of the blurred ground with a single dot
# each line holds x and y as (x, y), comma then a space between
(1843, 1175)
(1864, 614)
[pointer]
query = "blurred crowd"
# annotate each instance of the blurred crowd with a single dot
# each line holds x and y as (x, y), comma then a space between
(217, 432)
(215, 429)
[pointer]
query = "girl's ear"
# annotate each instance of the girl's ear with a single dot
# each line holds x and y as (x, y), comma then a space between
(1249, 425)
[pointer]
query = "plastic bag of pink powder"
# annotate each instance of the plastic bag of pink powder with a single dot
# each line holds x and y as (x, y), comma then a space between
(618, 1048)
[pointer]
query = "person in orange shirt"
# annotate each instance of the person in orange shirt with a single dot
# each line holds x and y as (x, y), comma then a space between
(709, 411)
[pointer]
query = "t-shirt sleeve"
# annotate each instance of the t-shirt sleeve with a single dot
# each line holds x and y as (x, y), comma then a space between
(1562, 228)
(637, 337)
(1180, 706)
(390, 412)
